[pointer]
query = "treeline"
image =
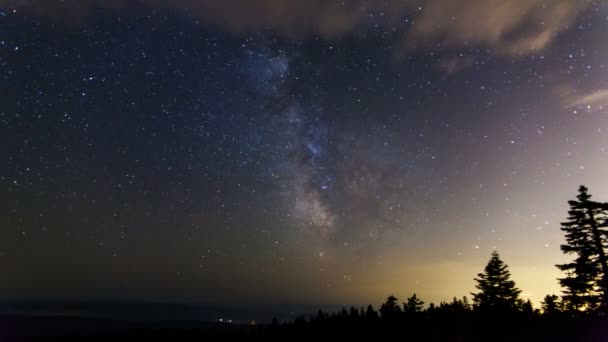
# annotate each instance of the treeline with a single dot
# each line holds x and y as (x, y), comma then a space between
(495, 311)
(579, 314)
(585, 283)
(497, 296)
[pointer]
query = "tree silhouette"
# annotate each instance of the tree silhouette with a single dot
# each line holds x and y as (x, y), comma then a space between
(579, 284)
(343, 314)
(390, 309)
(550, 305)
(527, 308)
(586, 282)
(497, 291)
(353, 313)
(321, 315)
(413, 305)
(455, 306)
(464, 303)
(371, 314)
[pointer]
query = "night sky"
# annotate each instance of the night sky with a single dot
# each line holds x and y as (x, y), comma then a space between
(294, 151)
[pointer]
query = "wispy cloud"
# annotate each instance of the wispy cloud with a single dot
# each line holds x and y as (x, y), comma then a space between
(594, 99)
(511, 27)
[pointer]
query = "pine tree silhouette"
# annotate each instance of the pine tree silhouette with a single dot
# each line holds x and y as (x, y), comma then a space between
(321, 315)
(550, 305)
(456, 305)
(527, 308)
(353, 313)
(586, 282)
(371, 314)
(413, 305)
(497, 292)
(390, 309)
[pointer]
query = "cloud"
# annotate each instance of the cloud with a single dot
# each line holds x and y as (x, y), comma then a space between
(291, 18)
(455, 64)
(572, 98)
(511, 27)
(595, 99)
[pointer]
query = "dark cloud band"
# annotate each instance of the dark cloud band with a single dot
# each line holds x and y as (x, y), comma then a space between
(511, 27)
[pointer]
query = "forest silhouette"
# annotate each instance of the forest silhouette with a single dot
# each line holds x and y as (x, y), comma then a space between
(494, 312)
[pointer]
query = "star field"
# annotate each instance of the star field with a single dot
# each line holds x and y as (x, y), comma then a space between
(322, 153)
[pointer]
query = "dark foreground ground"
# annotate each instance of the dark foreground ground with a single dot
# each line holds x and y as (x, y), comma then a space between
(29, 328)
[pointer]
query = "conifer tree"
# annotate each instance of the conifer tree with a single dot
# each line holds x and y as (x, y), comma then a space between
(321, 315)
(497, 290)
(527, 308)
(586, 281)
(343, 313)
(371, 314)
(413, 305)
(390, 309)
(550, 305)
(353, 313)
(580, 291)
(465, 304)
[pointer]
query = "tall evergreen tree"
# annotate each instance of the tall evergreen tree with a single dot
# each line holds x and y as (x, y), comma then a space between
(586, 281)
(371, 314)
(550, 305)
(413, 304)
(390, 309)
(527, 308)
(497, 290)
(353, 313)
(580, 290)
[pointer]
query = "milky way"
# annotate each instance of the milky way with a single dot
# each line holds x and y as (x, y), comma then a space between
(297, 151)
